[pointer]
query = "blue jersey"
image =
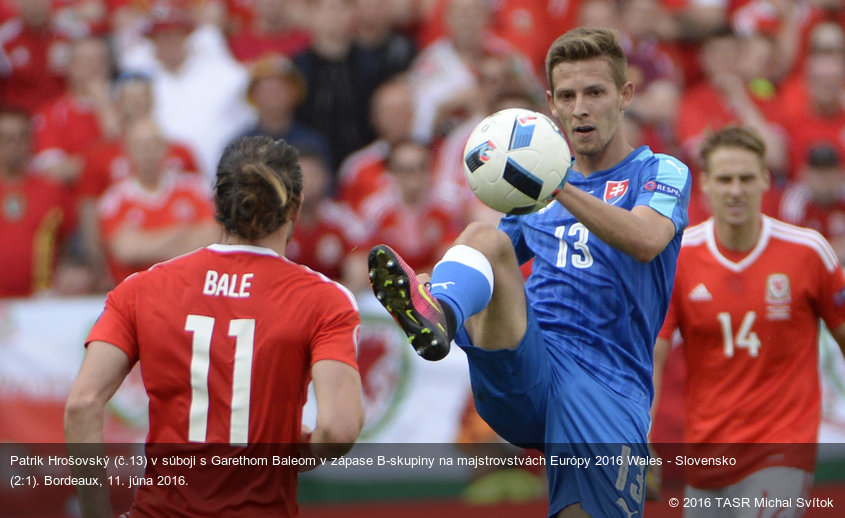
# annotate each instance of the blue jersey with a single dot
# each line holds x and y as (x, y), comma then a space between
(595, 304)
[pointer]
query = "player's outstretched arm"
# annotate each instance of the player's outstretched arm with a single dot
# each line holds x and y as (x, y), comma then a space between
(340, 412)
(641, 232)
(103, 370)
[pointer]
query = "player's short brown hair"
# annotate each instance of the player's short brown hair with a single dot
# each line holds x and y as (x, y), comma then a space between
(733, 136)
(584, 43)
(258, 187)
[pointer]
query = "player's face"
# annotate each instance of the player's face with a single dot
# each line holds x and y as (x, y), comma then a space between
(735, 181)
(588, 104)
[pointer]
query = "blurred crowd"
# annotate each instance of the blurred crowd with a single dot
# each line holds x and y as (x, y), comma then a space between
(113, 114)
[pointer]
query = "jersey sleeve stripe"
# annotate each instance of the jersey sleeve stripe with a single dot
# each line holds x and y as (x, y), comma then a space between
(793, 204)
(343, 289)
(809, 238)
(696, 235)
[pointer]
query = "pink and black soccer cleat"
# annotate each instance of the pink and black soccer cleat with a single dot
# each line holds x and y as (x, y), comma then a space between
(409, 302)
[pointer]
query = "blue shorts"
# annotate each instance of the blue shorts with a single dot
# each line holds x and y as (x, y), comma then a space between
(594, 439)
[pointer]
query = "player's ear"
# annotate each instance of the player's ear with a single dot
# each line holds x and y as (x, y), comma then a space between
(627, 93)
(294, 214)
(550, 101)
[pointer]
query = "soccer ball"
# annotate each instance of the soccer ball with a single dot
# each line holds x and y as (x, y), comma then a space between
(515, 160)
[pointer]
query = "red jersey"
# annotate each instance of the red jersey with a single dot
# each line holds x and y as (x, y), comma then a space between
(364, 173)
(67, 125)
(239, 13)
(226, 337)
(250, 45)
(807, 128)
(34, 216)
(420, 235)
(8, 10)
(797, 207)
(323, 244)
(530, 25)
(32, 64)
(106, 163)
(704, 110)
(750, 330)
(180, 199)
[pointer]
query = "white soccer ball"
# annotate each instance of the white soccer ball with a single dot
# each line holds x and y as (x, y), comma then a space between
(515, 159)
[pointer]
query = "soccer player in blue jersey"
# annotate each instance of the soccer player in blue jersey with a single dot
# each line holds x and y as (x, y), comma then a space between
(563, 361)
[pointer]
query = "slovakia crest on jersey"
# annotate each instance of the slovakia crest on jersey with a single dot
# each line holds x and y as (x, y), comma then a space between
(614, 190)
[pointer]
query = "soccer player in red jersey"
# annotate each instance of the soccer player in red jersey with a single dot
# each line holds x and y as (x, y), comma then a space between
(228, 338)
(749, 293)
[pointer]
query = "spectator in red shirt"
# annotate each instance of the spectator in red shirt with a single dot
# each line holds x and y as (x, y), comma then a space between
(273, 30)
(67, 127)
(107, 161)
(326, 231)
(724, 98)
(817, 111)
(155, 214)
(409, 202)
(33, 57)
(530, 25)
(817, 200)
(35, 217)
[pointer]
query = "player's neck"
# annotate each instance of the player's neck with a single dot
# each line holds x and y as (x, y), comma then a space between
(277, 241)
(738, 238)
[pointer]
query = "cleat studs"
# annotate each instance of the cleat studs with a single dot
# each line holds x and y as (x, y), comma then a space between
(435, 342)
(380, 295)
(390, 263)
(400, 282)
(372, 274)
